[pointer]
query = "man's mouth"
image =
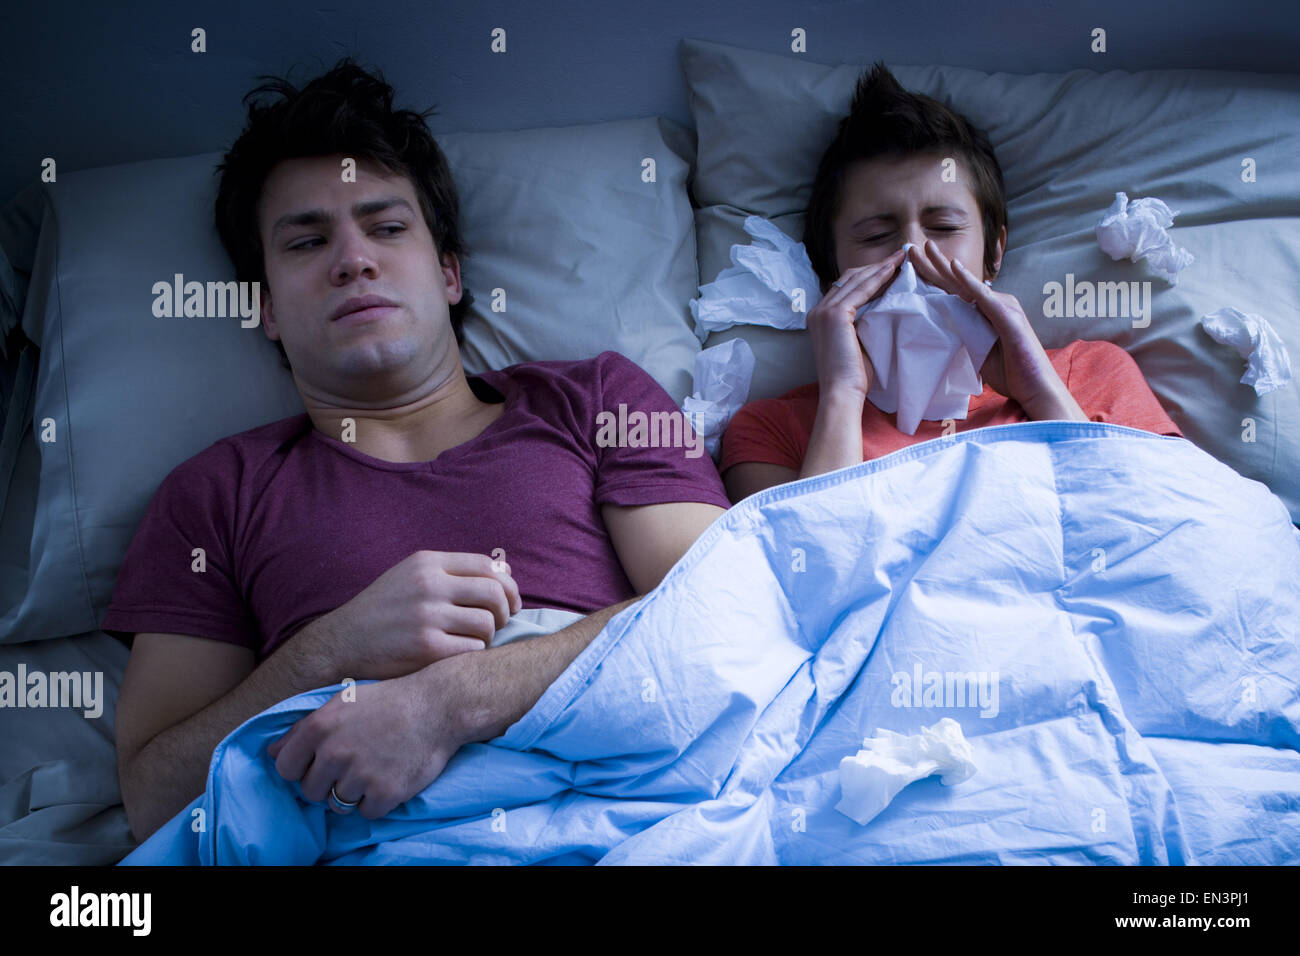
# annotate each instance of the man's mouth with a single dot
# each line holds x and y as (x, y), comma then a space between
(363, 308)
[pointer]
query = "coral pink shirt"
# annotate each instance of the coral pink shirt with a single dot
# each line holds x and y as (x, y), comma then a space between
(1102, 377)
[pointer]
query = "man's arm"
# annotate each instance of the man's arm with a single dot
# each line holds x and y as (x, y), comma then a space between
(650, 539)
(503, 685)
(396, 737)
(180, 697)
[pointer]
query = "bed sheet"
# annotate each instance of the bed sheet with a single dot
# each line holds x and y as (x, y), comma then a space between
(59, 796)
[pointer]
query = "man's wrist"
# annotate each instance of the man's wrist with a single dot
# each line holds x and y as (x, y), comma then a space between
(465, 718)
(312, 655)
(483, 693)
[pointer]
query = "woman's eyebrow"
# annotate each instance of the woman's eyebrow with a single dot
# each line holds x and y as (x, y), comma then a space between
(882, 217)
(954, 210)
(888, 217)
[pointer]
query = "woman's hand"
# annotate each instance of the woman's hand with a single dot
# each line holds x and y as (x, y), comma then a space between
(842, 366)
(1017, 366)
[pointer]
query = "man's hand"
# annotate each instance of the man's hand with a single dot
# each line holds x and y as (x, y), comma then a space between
(842, 366)
(428, 606)
(380, 749)
(1017, 367)
(398, 735)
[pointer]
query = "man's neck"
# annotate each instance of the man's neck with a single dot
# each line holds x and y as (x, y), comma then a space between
(448, 415)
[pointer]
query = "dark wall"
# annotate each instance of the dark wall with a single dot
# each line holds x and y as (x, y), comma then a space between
(93, 84)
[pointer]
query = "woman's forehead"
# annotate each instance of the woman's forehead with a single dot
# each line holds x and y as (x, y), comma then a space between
(928, 182)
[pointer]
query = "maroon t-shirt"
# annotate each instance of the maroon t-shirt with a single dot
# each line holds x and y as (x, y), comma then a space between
(295, 523)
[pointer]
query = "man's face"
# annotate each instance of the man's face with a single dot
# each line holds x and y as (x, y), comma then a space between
(326, 242)
(885, 203)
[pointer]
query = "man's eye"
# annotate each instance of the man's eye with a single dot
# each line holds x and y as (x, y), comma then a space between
(389, 229)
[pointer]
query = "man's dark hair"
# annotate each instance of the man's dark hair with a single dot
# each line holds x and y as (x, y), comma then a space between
(886, 121)
(348, 111)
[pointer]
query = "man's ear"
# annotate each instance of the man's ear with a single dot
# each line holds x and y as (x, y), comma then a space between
(997, 256)
(451, 277)
(268, 314)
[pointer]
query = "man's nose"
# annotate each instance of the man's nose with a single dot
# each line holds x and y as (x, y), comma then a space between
(352, 257)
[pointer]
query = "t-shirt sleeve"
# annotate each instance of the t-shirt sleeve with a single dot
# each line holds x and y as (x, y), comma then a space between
(760, 432)
(646, 451)
(1109, 387)
(163, 585)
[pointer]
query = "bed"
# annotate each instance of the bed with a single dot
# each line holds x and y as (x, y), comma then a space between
(105, 400)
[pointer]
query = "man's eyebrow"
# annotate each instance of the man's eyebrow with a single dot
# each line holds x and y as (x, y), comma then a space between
(319, 217)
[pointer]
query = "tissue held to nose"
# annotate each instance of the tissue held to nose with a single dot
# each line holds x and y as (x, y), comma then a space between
(890, 761)
(927, 347)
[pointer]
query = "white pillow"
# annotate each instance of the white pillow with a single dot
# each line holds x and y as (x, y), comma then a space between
(1067, 143)
(592, 255)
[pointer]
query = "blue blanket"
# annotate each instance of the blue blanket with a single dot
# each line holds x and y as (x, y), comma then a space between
(1111, 617)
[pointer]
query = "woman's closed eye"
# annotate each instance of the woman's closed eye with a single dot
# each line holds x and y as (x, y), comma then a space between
(882, 236)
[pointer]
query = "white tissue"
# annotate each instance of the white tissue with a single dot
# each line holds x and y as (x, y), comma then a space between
(1139, 230)
(1268, 366)
(874, 776)
(770, 282)
(722, 377)
(927, 347)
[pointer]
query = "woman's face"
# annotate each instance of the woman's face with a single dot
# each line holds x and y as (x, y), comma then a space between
(885, 203)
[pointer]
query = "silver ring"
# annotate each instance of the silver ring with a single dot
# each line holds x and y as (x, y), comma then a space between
(838, 285)
(340, 805)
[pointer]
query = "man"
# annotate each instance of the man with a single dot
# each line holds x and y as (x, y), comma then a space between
(405, 517)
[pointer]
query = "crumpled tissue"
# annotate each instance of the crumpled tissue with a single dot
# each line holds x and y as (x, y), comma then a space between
(770, 282)
(927, 347)
(1139, 229)
(1268, 365)
(890, 761)
(722, 377)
